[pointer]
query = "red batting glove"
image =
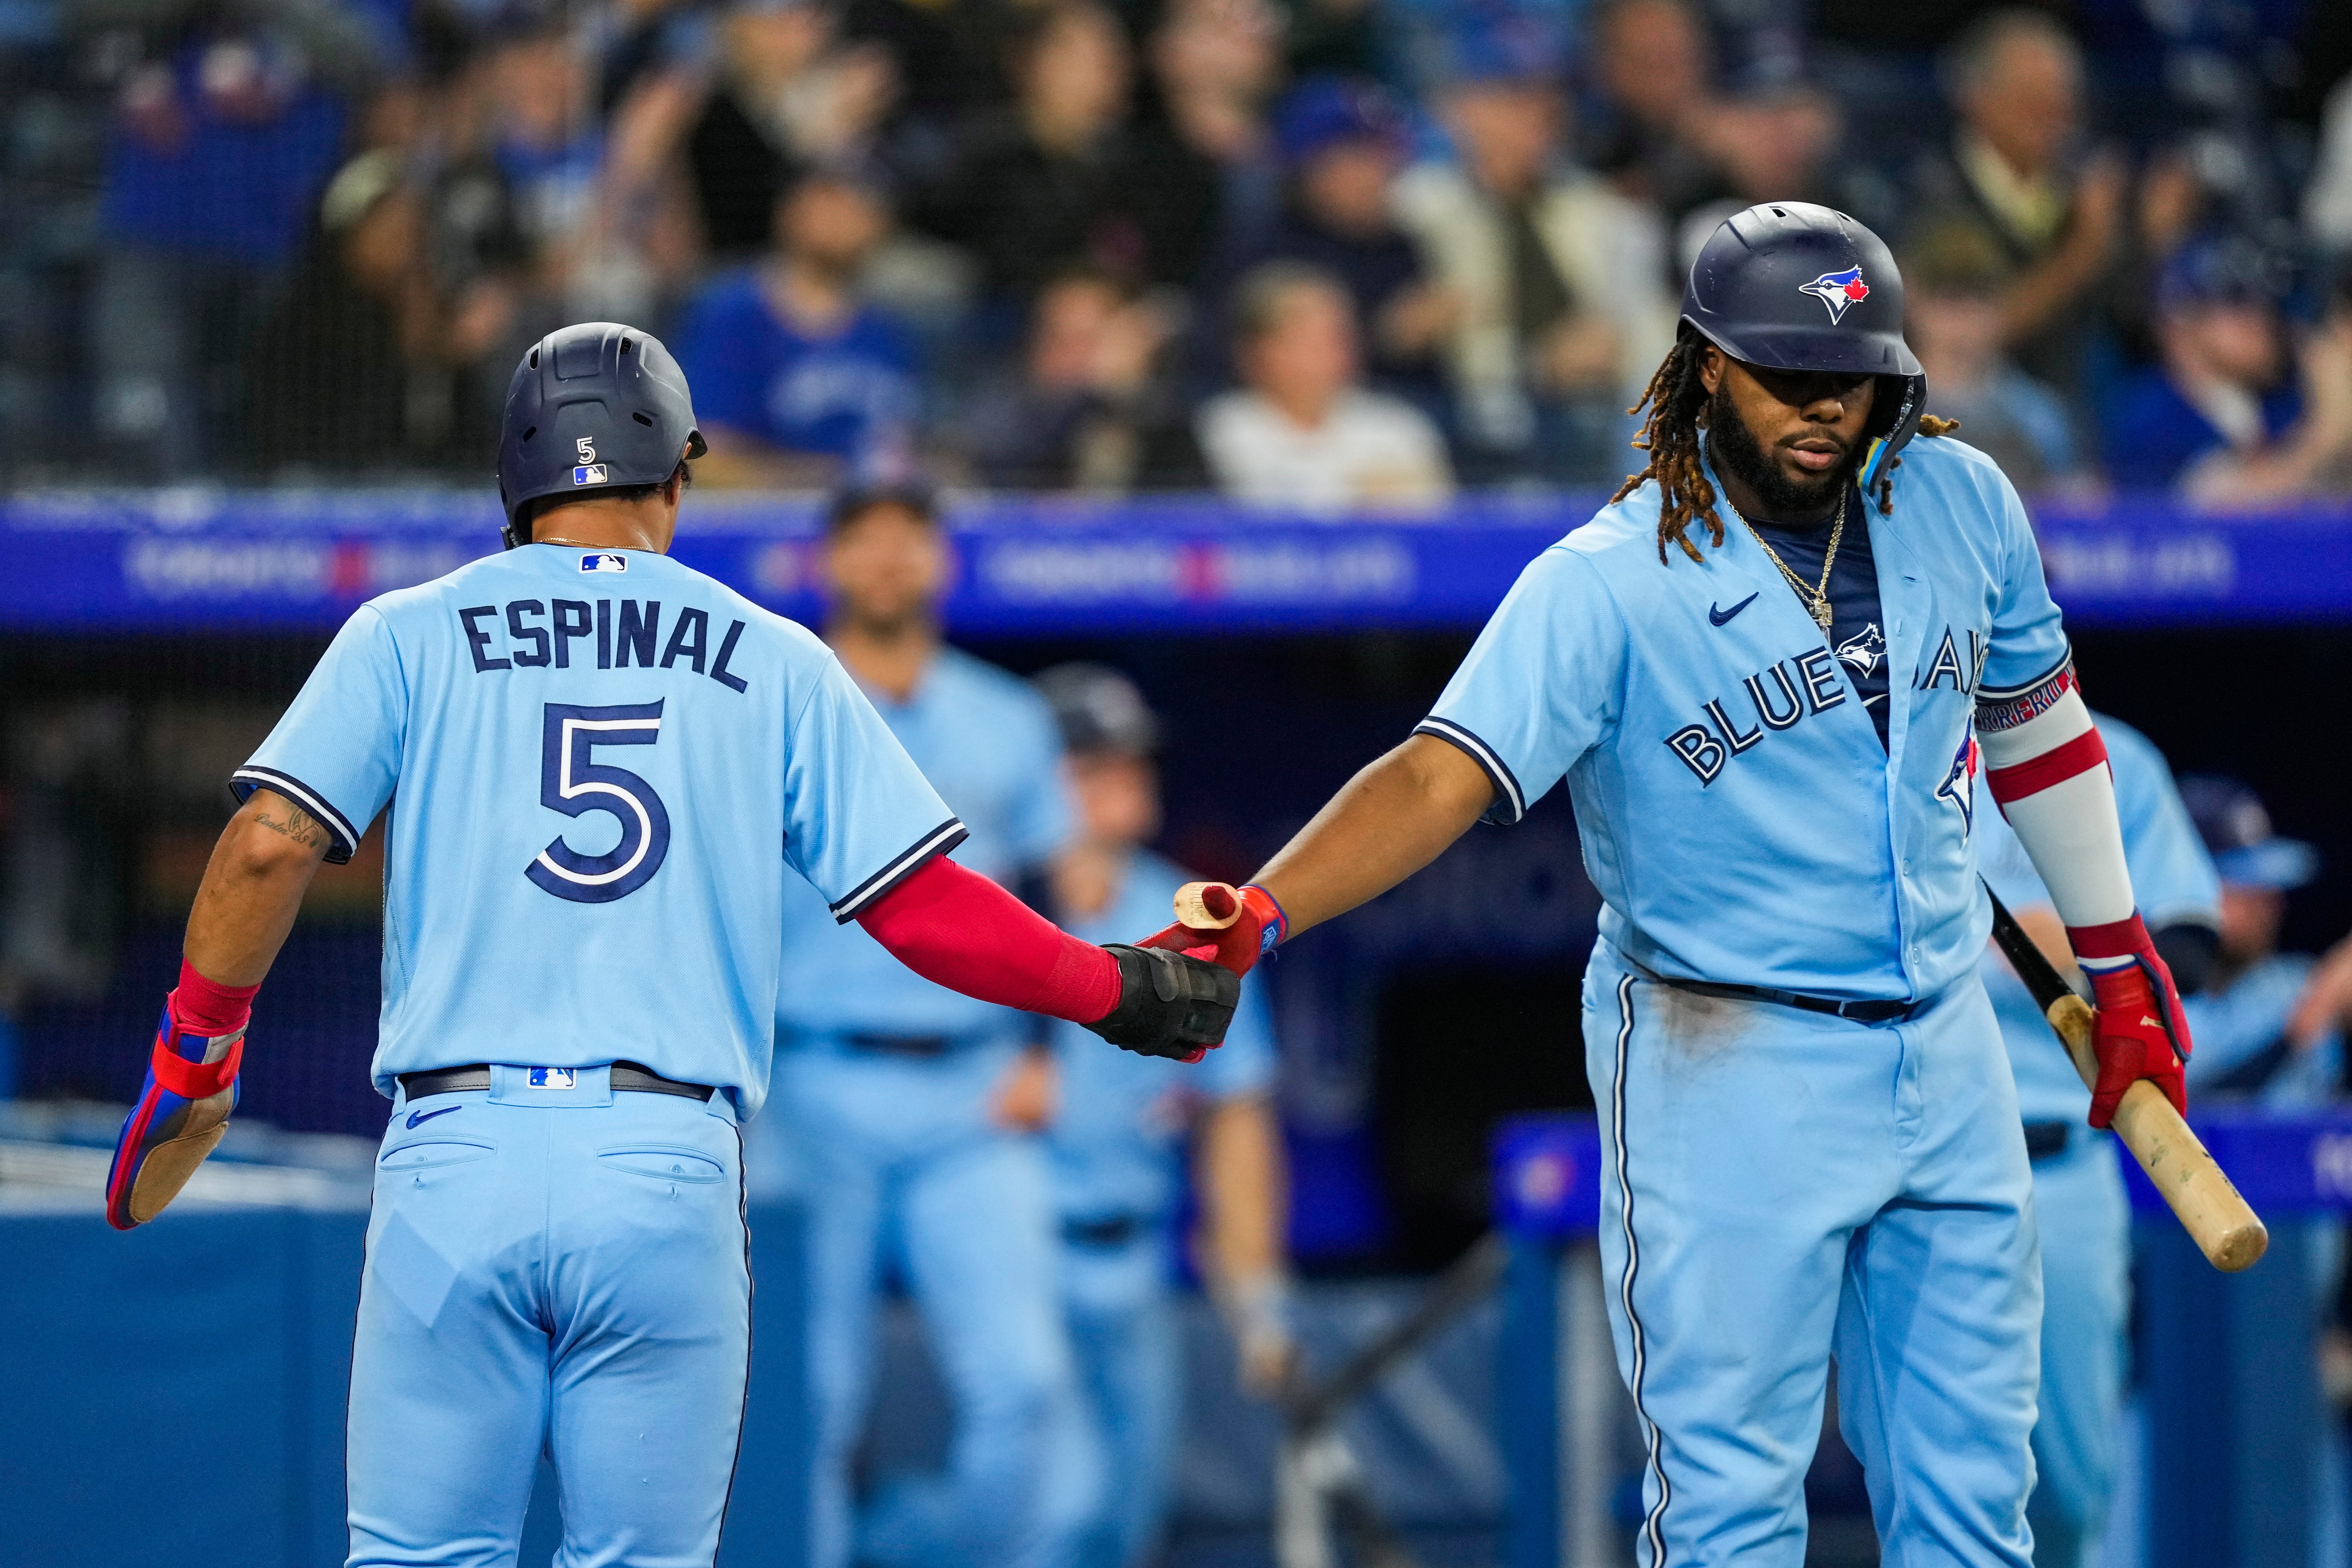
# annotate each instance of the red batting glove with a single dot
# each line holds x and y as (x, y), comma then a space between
(1261, 925)
(2141, 1032)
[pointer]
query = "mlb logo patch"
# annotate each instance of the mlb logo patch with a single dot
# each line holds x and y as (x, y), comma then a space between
(588, 474)
(604, 561)
(552, 1077)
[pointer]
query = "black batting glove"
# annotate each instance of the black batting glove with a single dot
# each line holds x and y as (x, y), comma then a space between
(1169, 1005)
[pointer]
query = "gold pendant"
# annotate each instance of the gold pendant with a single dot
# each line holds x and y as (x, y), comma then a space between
(1821, 612)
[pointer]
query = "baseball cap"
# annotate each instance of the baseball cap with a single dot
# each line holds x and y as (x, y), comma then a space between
(2236, 828)
(1323, 112)
(1099, 710)
(2223, 269)
(1487, 49)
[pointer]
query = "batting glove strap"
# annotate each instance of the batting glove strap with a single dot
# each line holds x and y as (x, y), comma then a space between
(1170, 1003)
(2140, 1032)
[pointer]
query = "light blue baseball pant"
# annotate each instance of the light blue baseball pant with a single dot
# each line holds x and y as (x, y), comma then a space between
(1778, 1188)
(895, 1158)
(2084, 1217)
(561, 1270)
(1124, 1332)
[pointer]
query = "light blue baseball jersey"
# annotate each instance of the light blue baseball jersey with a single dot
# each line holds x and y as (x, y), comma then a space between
(2240, 1037)
(987, 740)
(1738, 814)
(1119, 1136)
(2173, 883)
(603, 770)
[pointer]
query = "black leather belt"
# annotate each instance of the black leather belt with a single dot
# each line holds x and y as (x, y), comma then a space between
(2047, 1140)
(1117, 1230)
(923, 1046)
(629, 1077)
(1888, 1012)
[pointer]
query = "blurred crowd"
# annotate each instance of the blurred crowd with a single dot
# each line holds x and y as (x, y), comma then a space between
(1327, 255)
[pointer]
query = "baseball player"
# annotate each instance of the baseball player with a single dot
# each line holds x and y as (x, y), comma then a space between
(602, 771)
(1118, 1138)
(2270, 1022)
(2080, 1206)
(896, 1103)
(1765, 671)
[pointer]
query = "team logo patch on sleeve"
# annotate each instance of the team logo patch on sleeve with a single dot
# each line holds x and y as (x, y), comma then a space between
(604, 561)
(1838, 290)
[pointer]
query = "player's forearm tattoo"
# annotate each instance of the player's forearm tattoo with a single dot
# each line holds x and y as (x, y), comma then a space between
(295, 824)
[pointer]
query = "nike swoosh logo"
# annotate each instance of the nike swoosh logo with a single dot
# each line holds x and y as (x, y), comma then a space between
(1720, 616)
(415, 1117)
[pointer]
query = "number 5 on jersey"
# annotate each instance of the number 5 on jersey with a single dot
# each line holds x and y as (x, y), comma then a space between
(572, 782)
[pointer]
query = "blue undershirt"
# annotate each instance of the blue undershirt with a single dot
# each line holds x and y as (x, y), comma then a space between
(1856, 633)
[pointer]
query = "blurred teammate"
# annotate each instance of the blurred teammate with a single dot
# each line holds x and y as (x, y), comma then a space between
(1118, 1138)
(600, 767)
(2277, 1019)
(2079, 1202)
(888, 1092)
(1764, 671)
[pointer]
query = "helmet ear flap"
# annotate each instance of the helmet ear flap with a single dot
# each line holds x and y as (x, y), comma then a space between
(1892, 422)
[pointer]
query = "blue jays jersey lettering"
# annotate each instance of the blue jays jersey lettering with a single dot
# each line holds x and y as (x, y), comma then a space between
(1726, 777)
(1118, 1137)
(2172, 878)
(987, 741)
(601, 782)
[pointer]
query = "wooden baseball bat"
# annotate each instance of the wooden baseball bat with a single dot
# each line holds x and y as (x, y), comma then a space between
(1208, 906)
(2223, 1224)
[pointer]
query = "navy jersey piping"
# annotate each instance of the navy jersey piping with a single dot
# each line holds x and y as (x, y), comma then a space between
(1499, 773)
(938, 841)
(248, 778)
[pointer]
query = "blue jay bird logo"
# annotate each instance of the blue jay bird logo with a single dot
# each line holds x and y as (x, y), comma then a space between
(1959, 784)
(1838, 290)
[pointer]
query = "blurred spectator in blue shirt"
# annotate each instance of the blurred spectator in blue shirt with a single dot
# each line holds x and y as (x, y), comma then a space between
(1952, 290)
(797, 377)
(1343, 141)
(222, 141)
(2220, 418)
(2268, 1024)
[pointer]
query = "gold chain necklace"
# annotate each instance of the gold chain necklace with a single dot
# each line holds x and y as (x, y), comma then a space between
(1815, 600)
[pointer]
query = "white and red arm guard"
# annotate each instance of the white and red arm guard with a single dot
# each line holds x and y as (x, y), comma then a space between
(2047, 768)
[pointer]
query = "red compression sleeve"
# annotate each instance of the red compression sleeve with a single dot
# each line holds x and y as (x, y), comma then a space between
(202, 1007)
(955, 928)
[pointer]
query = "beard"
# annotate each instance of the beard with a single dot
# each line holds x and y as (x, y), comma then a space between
(1732, 443)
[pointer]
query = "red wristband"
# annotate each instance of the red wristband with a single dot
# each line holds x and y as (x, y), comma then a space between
(194, 1081)
(201, 1007)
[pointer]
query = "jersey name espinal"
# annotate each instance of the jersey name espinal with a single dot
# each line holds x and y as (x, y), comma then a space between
(539, 634)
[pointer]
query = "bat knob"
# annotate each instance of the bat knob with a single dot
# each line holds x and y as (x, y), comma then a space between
(1207, 905)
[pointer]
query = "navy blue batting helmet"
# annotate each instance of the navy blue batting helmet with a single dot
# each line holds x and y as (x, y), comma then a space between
(593, 404)
(1792, 286)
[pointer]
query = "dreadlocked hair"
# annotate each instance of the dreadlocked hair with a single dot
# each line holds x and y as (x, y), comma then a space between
(1670, 436)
